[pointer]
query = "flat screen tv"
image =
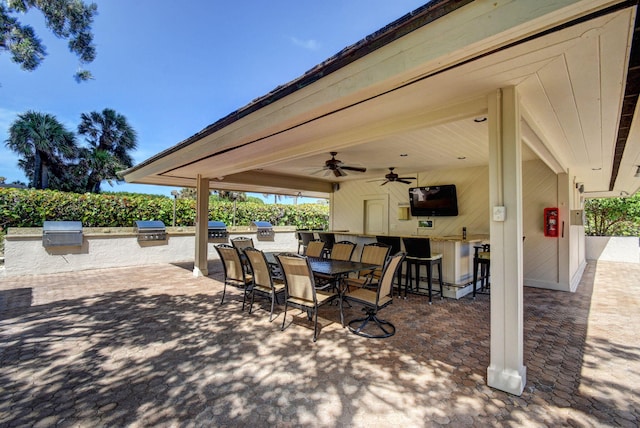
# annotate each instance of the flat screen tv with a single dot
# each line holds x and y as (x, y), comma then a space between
(433, 201)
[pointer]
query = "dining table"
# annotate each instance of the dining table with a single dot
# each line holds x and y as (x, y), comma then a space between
(329, 267)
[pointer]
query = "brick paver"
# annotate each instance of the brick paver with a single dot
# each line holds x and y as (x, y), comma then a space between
(151, 346)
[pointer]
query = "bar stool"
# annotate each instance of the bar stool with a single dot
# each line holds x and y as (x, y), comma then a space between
(481, 260)
(303, 241)
(329, 239)
(419, 254)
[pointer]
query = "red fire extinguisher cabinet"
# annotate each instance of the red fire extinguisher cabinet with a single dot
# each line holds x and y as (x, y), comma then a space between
(551, 222)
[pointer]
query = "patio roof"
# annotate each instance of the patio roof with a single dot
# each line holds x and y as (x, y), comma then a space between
(415, 88)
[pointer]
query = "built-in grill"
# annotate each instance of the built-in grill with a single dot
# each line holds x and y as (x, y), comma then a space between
(62, 234)
(265, 231)
(151, 230)
(218, 231)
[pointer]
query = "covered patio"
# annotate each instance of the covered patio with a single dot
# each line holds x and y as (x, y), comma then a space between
(524, 106)
(152, 346)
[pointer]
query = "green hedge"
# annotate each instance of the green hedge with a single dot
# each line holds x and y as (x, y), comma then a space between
(30, 208)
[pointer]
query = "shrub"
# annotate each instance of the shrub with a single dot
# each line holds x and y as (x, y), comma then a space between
(613, 216)
(30, 208)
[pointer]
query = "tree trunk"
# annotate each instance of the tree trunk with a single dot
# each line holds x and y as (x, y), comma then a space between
(37, 171)
(45, 176)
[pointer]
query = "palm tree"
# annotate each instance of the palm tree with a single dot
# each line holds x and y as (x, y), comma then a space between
(43, 144)
(110, 139)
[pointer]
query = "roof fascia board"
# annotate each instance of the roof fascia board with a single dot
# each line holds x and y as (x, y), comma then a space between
(458, 35)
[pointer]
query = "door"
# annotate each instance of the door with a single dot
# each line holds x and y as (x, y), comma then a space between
(376, 215)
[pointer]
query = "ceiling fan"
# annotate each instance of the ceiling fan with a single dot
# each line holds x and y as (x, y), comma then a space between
(338, 168)
(392, 176)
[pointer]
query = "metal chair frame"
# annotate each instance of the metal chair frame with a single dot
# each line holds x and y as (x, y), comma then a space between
(263, 280)
(234, 272)
(395, 242)
(375, 300)
(300, 290)
(374, 253)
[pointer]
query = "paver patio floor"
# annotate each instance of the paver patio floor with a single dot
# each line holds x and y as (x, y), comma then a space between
(151, 346)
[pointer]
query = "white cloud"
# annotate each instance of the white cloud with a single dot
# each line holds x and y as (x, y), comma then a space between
(311, 44)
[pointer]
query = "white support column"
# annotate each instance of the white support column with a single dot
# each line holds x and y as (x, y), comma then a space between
(506, 370)
(202, 225)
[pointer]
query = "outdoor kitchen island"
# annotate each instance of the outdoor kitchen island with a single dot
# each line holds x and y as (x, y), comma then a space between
(457, 258)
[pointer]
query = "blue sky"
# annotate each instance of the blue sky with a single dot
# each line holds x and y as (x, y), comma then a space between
(172, 68)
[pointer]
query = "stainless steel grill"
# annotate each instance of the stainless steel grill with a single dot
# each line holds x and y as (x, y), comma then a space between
(151, 230)
(62, 234)
(218, 231)
(265, 231)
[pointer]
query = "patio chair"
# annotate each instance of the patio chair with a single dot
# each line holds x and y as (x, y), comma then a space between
(300, 290)
(395, 242)
(342, 250)
(263, 281)
(303, 240)
(315, 249)
(234, 272)
(242, 242)
(375, 300)
(375, 253)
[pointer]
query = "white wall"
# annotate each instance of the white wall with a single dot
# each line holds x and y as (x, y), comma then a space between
(25, 255)
(540, 191)
(613, 248)
(473, 203)
(554, 263)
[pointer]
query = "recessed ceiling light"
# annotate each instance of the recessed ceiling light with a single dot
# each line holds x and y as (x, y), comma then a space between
(462, 157)
(480, 119)
(596, 169)
(403, 155)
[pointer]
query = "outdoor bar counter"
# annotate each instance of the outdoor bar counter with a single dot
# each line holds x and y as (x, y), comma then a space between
(457, 257)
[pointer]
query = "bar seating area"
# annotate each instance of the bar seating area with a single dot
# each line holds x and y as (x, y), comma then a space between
(481, 268)
(419, 254)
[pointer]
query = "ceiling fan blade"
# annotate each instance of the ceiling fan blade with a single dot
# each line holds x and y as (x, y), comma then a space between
(377, 179)
(407, 178)
(338, 172)
(354, 168)
(402, 180)
(384, 183)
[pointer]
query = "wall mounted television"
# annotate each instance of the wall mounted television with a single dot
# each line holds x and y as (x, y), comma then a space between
(433, 201)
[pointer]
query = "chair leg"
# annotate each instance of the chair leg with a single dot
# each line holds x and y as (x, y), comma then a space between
(273, 298)
(439, 264)
(430, 279)
(407, 279)
(315, 325)
(244, 297)
(475, 276)
(284, 317)
(371, 316)
(224, 289)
